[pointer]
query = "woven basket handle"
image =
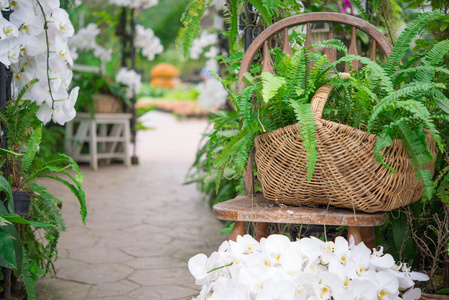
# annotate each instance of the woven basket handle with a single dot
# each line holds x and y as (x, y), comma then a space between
(321, 95)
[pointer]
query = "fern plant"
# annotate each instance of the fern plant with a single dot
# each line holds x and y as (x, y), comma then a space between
(23, 165)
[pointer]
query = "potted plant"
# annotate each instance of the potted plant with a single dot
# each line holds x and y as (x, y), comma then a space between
(100, 93)
(23, 165)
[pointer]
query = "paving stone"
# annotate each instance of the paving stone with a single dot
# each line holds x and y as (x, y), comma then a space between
(55, 289)
(145, 293)
(95, 274)
(159, 250)
(142, 226)
(121, 288)
(99, 255)
(175, 276)
(176, 292)
(158, 262)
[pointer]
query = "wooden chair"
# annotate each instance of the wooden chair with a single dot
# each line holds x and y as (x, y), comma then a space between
(252, 207)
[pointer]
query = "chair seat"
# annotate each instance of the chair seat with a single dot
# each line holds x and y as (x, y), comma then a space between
(258, 209)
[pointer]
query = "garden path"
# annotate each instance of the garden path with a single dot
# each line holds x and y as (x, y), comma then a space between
(142, 227)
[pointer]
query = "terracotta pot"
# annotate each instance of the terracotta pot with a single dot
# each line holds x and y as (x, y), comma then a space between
(22, 201)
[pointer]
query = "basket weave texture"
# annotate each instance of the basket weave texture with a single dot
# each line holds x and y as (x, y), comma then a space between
(346, 175)
(105, 103)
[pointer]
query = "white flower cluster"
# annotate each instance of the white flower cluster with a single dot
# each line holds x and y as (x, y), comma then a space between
(206, 39)
(308, 268)
(150, 44)
(23, 48)
(131, 79)
(212, 94)
(85, 40)
(143, 4)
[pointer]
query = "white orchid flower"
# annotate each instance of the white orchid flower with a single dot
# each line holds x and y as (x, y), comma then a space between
(274, 246)
(227, 289)
(277, 289)
(61, 22)
(388, 285)
(412, 294)
(27, 22)
(9, 51)
(197, 266)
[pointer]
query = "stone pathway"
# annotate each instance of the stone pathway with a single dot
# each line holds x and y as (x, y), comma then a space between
(142, 227)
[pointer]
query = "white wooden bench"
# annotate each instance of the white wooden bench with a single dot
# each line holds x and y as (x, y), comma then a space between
(104, 134)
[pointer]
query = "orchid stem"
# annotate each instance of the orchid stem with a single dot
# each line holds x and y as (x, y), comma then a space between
(228, 265)
(48, 54)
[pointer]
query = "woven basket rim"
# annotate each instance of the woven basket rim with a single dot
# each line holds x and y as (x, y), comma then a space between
(359, 131)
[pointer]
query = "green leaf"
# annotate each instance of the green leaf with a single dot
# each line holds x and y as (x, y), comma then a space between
(420, 111)
(270, 85)
(394, 97)
(6, 187)
(32, 148)
(7, 253)
(433, 58)
(406, 37)
(402, 235)
(383, 141)
(261, 8)
(307, 128)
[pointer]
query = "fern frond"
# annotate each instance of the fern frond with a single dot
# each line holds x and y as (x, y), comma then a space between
(244, 106)
(31, 150)
(262, 9)
(191, 20)
(415, 143)
(385, 79)
(27, 278)
(231, 148)
(383, 141)
(406, 37)
(333, 44)
(433, 58)
(307, 128)
(420, 111)
(248, 79)
(25, 89)
(393, 97)
(270, 85)
(360, 8)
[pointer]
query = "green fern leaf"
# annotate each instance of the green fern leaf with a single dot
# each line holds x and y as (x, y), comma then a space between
(420, 111)
(393, 98)
(414, 141)
(31, 150)
(231, 148)
(248, 79)
(307, 128)
(27, 277)
(191, 20)
(262, 9)
(433, 58)
(383, 141)
(270, 85)
(406, 37)
(333, 44)
(358, 4)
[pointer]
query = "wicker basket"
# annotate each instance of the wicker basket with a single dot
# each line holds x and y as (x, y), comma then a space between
(433, 297)
(105, 103)
(346, 175)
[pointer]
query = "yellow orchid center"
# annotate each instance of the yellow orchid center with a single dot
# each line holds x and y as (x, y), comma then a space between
(382, 294)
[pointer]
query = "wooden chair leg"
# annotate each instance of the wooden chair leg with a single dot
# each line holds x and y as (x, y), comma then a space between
(239, 229)
(368, 236)
(261, 230)
(355, 232)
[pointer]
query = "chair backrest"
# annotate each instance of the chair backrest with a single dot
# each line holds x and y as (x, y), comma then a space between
(262, 41)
